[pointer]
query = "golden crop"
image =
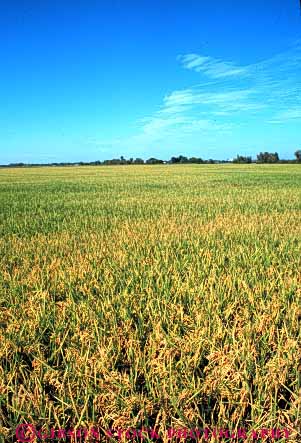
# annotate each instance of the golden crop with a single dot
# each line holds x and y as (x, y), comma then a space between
(164, 296)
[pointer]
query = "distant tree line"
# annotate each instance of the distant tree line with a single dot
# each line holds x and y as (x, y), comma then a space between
(242, 159)
(262, 157)
(267, 157)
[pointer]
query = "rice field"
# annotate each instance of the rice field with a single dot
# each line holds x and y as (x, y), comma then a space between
(158, 296)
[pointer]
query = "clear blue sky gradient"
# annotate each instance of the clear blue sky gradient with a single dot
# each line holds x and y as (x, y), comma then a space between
(91, 80)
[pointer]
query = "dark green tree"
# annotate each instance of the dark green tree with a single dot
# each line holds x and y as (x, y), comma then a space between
(267, 157)
(154, 161)
(242, 159)
(298, 155)
(139, 161)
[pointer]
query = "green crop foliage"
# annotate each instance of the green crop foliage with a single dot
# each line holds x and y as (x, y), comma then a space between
(150, 295)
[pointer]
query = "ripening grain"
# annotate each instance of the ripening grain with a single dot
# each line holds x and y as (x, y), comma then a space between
(150, 295)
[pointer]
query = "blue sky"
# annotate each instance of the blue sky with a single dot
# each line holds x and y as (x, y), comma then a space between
(91, 80)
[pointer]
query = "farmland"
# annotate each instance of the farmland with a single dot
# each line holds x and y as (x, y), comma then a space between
(165, 296)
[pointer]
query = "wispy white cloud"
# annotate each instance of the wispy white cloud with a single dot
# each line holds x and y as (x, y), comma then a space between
(230, 100)
(258, 88)
(232, 96)
(210, 66)
(156, 124)
(287, 115)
